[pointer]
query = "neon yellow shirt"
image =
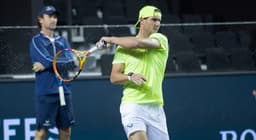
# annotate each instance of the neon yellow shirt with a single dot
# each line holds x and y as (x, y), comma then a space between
(149, 62)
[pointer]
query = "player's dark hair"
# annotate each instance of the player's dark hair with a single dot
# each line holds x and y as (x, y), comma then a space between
(38, 23)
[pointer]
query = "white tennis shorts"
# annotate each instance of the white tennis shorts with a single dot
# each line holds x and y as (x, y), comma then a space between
(144, 117)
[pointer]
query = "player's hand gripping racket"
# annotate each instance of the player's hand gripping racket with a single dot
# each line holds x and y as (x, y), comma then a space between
(68, 64)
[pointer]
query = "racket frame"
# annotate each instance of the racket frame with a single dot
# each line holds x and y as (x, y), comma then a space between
(82, 56)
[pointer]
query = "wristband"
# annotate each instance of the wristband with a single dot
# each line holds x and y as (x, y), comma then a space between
(130, 76)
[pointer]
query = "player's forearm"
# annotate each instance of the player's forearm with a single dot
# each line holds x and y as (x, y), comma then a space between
(118, 78)
(37, 56)
(133, 42)
(127, 42)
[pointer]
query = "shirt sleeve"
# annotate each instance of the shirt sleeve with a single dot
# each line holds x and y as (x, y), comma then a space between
(119, 55)
(162, 40)
(39, 53)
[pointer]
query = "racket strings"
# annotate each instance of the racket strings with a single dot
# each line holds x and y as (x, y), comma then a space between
(69, 65)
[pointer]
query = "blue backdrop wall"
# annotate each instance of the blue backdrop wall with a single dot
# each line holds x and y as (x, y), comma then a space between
(219, 107)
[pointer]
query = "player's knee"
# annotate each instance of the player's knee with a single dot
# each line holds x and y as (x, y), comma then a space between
(138, 135)
(40, 135)
(64, 134)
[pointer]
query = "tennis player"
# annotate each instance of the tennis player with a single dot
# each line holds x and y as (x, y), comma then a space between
(139, 65)
(43, 47)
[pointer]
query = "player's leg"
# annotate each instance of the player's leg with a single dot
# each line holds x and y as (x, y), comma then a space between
(41, 134)
(138, 135)
(45, 116)
(132, 121)
(154, 133)
(65, 119)
(156, 124)
(64, 134)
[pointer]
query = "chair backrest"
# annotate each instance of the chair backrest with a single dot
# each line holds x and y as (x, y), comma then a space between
(227, 40)
(121, 31)
(106, 64)
(112, 20)
(92, 20)
(245, 39)
(241, 59)
(171, 18)
(179, 42)
(187, 61)
(217, 60)
(131, 13)
(171, 66)
(202, 41)
(113, 9)
(92, 35)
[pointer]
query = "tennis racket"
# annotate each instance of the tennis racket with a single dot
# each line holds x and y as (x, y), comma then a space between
(68, 64)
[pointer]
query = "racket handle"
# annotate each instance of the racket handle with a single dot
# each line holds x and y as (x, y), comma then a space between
(62, 96)
(99, 45)
(92, 49)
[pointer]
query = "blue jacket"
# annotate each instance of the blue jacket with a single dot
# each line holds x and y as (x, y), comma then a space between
(43, 50)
